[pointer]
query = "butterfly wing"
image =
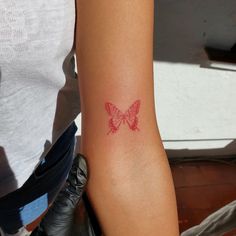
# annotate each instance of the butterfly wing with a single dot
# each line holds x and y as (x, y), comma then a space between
(116, 117)
(131, 115)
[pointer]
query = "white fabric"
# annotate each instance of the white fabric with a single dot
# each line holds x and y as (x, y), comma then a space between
(36, 41)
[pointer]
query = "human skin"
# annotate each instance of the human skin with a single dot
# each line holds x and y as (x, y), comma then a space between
(130, 184)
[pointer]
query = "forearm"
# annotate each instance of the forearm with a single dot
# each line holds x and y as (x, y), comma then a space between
(130, 184)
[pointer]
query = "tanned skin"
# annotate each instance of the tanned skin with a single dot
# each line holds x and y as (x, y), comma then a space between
(130, 184)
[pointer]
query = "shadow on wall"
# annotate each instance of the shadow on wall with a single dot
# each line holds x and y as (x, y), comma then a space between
(183, 28)
(229, 150)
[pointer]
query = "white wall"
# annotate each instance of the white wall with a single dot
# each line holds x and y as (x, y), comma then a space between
(196, 106)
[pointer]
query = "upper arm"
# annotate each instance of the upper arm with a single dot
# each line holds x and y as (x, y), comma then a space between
(114, 39)
(114, 49)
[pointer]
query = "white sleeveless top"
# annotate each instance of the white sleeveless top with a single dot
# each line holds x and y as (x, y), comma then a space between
(38, 86)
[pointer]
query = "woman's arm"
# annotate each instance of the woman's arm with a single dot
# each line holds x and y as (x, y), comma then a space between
(130, 184)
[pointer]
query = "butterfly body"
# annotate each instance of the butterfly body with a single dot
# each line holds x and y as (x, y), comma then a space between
(117, 117)
(123, 119)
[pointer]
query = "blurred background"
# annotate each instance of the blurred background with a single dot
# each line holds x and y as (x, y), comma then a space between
(196, 102)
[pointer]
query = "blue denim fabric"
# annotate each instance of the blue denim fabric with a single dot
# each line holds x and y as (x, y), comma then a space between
(27, 203)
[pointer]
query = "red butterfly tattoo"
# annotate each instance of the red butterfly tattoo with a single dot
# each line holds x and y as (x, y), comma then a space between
(117, 116)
